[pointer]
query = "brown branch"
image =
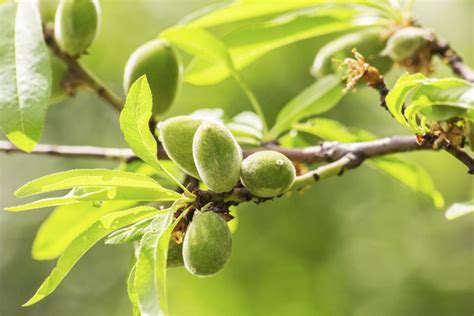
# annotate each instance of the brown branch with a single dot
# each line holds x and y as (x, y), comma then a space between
(358, 69)
(79, 76)
(452, 59)
(326, 151)
(462, 156)
(116, 154)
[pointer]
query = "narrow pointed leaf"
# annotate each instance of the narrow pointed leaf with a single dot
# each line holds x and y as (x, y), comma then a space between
(132, 291)
(252, 9)
(246, 127)
(72, 197)
(25, 75)
(318, 98)
(200, 43)
(69, 221)
(101, 195)
(247, 45)
(408, 173)
(417, 101)
(128, 234)
(86, 241)
(134, 121)
(150, 299)
(88, 177)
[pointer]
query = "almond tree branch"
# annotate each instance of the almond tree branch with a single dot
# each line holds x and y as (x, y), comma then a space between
(376, 81)
(79, 76)
(454, 61)
(116, 154)
(326, 151)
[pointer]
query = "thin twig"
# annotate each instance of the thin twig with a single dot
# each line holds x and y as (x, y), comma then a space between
(326, 151)
(79, 76)
(453, 60)
(116, 154)
(462, 156)
(376, 81)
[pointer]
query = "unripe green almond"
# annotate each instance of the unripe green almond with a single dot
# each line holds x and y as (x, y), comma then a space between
(175, 255)
(47, 9)
(217, 156)
(76, 25)
(207, 244)
(59, 73)
(158, 61)
(405, 43)
(177, 135)
(369, 43)
(267, 173)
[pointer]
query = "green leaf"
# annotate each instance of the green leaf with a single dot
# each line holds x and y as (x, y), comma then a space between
(234, 223)
(459, 209)
(416, 101)
(86, 241)
(128, 234)
(369, 43)
(134, 120)
(209, 114)
(442, 94)
(410, 174)
(293, 139)
(134, 123)
(246, 45)
(333, 130)
(74, 196)
(244, 10)
(318, 98)
(69, 221)
(132, 291)
(406, 172)
(398, 94)
(252, 9)
(247, 125)
(25, 74)
(150, 291)
(90, 178)
(210, 49)
(200, 43)
(97, 196)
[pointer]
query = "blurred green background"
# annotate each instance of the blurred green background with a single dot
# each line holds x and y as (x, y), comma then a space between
(357, 245)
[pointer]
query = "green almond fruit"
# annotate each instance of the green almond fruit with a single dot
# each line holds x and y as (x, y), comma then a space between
(267, 173)
(217, 156)
(405, 43)
(177, 135)
(175, 254)
(369, 43)
(159, 62)
(59, 72)
(207, 244)
(47, 9)
(76, 25)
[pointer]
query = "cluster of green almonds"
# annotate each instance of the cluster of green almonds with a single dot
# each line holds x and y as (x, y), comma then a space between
(208, 151)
